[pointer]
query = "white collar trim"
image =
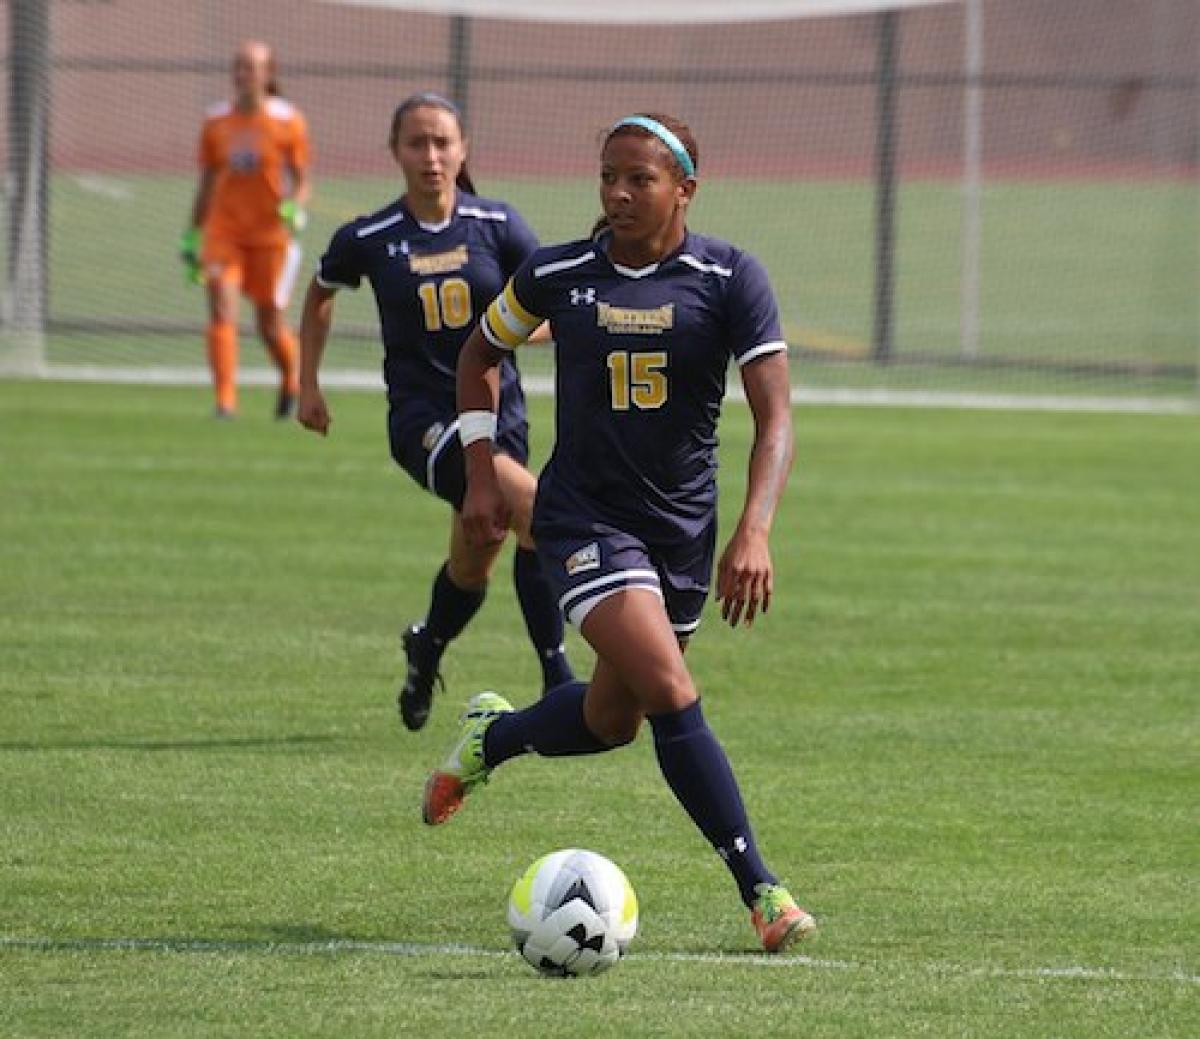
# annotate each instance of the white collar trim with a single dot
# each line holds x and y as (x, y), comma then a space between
(634, 272)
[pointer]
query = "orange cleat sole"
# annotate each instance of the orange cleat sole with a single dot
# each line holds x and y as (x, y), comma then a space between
(793, 926)
(444, 796)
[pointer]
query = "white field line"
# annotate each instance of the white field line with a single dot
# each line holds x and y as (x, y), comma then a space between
(423, 949)
(541, 385)
(107, 187)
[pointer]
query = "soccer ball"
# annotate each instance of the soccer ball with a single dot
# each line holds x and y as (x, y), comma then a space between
(572, 913)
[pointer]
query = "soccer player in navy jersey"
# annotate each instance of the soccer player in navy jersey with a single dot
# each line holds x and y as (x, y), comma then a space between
(645, 316)
(434, 259)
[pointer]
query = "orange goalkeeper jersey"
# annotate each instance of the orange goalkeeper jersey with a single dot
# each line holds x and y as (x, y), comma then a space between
(252, 157)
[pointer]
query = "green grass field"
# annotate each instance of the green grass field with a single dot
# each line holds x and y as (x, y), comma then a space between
(1080, 278)
(967, 733)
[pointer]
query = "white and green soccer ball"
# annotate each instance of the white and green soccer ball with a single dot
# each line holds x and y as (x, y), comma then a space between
(572, 913)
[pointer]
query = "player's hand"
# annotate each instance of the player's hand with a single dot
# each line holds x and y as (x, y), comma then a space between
(311, 411)
(189, 254)
(745, 577)
(294, 216)
(485, 513)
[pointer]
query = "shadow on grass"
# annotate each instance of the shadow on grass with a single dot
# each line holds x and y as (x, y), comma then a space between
(153, 746)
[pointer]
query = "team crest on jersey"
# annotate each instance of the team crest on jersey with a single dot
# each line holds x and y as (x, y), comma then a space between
(439, 263)
(586, 558)
(244, 151)
(633, 320)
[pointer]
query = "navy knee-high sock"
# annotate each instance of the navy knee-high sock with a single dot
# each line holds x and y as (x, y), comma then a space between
(552, 727)
(543, 618)
(698, 772)
(450, 610)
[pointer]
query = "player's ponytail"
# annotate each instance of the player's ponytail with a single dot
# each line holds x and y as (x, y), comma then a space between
(429, 99)
(464, 181)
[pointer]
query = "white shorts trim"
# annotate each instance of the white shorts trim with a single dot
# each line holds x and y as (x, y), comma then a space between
(431, 462)
(595, 592)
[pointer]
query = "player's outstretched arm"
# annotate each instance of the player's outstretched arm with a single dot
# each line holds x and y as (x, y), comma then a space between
(315, 322)
(745, 575)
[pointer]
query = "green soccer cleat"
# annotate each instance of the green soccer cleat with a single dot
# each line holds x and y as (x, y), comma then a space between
(780, 923)
(463, 768)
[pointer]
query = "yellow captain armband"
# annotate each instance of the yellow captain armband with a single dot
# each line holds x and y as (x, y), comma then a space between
(506, 323)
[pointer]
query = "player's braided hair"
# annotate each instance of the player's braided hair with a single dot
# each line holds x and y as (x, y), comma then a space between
(677, 126)
(428, 99)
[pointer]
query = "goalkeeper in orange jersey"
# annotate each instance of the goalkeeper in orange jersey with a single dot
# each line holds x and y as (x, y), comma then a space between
(248, 210)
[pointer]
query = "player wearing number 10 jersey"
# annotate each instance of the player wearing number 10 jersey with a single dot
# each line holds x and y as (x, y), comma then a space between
(434, 259)
(431, 282)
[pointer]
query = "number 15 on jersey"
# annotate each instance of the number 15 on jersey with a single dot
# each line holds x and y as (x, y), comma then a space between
(637, 379)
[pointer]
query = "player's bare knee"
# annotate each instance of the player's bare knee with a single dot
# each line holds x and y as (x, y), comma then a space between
(667, 693)
(471, 572)
(270, 326)
(222, 312)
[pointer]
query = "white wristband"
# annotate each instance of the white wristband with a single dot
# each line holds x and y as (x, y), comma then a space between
(476, 425)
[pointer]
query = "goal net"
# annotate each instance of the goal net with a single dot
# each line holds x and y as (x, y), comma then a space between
(982, 198)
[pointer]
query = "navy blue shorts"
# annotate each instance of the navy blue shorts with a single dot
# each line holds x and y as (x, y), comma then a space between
(587, 565)
(425, 444)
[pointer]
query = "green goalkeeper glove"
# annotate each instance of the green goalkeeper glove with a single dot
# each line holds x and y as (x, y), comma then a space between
(293, 215)
(189, 253)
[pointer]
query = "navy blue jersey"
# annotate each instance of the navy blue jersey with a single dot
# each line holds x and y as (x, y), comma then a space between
(641, 358)
(431, 284)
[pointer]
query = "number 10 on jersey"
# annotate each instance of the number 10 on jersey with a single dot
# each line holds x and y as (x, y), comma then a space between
(445, 304)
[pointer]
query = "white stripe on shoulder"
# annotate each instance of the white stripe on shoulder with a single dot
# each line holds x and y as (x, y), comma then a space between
(705, 268)
(483, 214)
(563, 265)
(218, 109)
(280, 108)
(379, 225)
(773, 347)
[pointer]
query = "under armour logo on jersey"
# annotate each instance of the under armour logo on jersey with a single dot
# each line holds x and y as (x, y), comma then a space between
(583, 297)
(397, 248)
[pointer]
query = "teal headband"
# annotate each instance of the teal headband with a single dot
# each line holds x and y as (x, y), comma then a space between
(663, 134)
